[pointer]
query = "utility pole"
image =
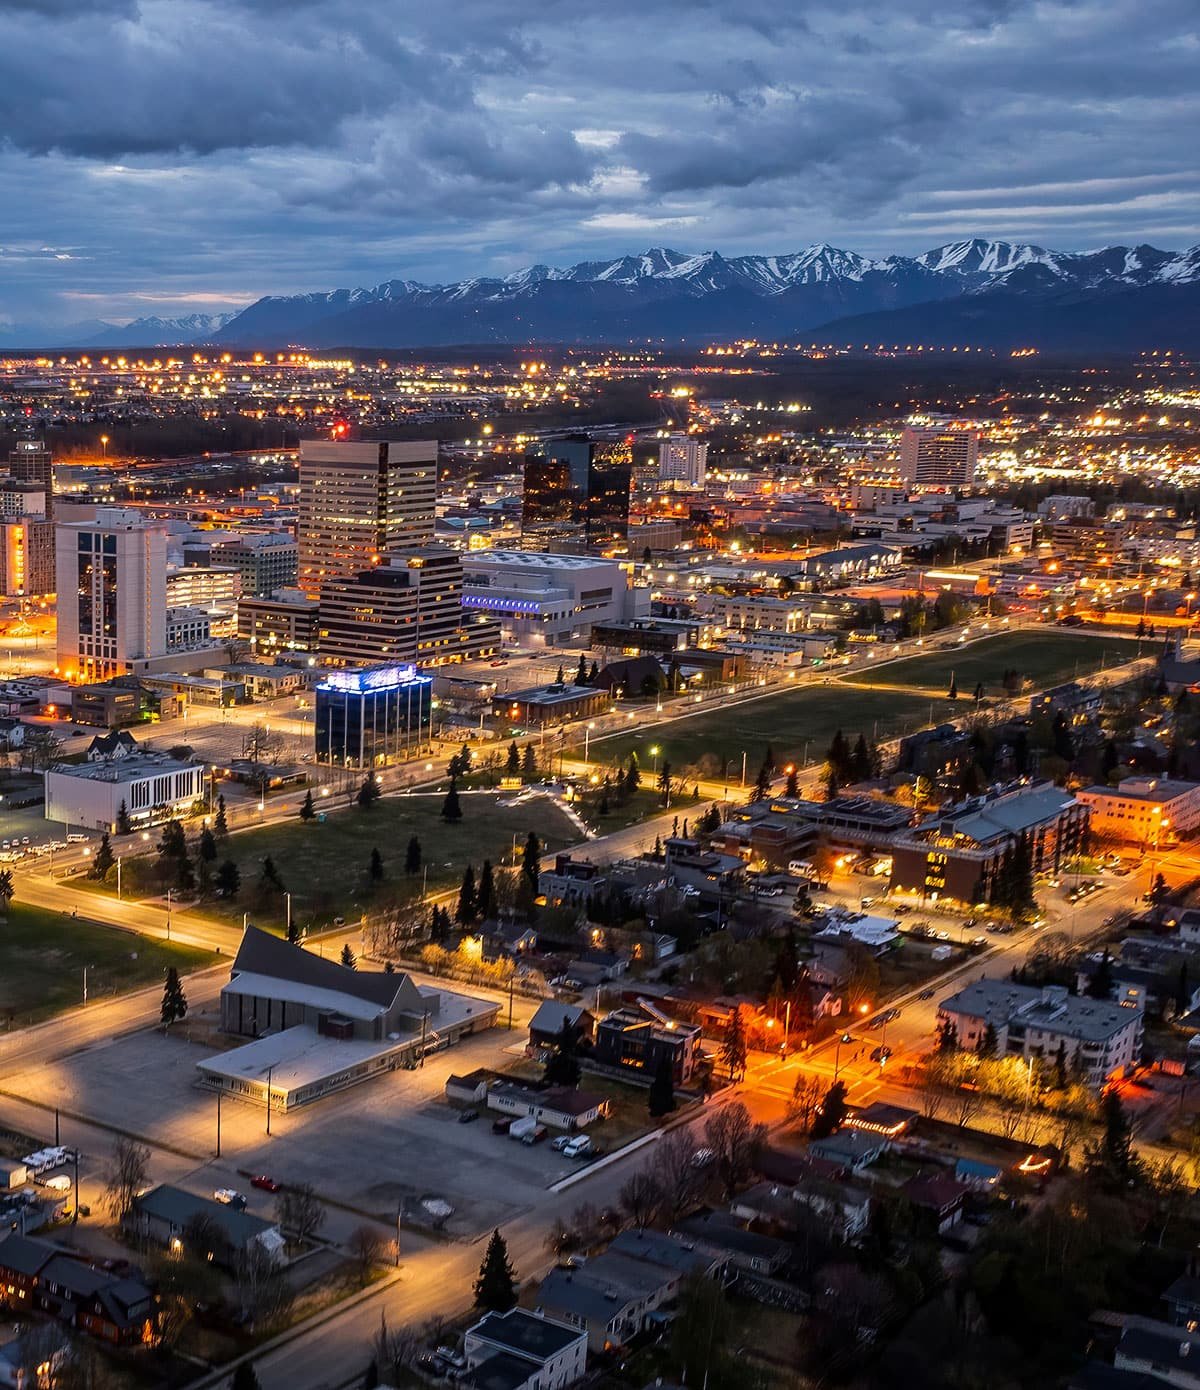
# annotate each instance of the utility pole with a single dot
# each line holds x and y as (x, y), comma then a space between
(219, 1124)
(75, 1160)
(169, 892)
(270, 1072)
(511, 981)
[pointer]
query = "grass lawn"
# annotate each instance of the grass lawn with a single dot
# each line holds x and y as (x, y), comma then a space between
(43, 955)
(325, 866)
(787, 720)
(1045, 658)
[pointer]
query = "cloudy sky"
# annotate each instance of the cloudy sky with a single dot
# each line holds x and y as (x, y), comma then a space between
(169, 156)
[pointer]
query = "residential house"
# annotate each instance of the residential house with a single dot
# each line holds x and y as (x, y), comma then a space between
(555, 1353)
(32, 1359)
(104, 748)
(852, 1150)
(470, 1089)
(546, 1025)
(1160, 1349)
(634, 1039)
(721, 1233)
(36, 1275)
(937, 1198)
(167, 1216)
(559, 1107)
(1183, 1302)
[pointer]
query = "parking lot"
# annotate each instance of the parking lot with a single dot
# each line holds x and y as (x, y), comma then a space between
(375, 1149)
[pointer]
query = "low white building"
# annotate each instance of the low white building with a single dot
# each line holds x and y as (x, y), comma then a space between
(554, 1354)
(1103, 1039)
(546, 599)
(151, 788)
(1143, 810)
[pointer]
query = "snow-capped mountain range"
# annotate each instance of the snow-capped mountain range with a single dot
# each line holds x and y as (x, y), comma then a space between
(992, 293)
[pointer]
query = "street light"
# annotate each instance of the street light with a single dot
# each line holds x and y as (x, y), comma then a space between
(654, 754)
(587, 734)
(846, 1040)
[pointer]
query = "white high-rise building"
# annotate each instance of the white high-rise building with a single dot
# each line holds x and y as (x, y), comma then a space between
(112, 595)
(359, 500)
(682, 458)
(938, 457)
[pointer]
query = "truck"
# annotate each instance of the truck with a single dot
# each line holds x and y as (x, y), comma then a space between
(520, 1128)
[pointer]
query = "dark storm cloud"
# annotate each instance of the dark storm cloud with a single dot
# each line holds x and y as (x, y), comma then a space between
(159, 153)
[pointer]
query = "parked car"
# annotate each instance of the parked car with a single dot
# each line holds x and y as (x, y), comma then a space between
(467, 1116)
(502, 1126)
(536, 1135)
(230, 1198)
(581, 1147)
(264, 1183)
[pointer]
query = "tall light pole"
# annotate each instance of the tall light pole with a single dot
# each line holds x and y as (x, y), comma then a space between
(270, 1072)
(169, 892)
(587, 734)
(837, 1055)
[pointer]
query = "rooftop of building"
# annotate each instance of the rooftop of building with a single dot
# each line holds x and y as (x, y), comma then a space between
(526, 1334)
(263, 957)
(1051, 1008)
(536, 560)
(550, 694)
(131, 768)
(175, 1205)
(1153, 790)
(987, 818)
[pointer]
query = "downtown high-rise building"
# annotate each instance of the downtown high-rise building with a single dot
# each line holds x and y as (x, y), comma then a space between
(112, 595)
(682, 458)
(31, 462)
(577, 494)
(938, 457)
(359, 501)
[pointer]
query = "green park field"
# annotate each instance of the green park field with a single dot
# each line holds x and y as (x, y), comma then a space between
(325, 866)
(43, 955)
(1044, 658)
(788, 720)
(793, 721)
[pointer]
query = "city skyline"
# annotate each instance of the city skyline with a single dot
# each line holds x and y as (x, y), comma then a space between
(187, 175)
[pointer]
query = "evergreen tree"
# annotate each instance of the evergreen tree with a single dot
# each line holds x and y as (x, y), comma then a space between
(979, 693)
(375, 867)
(947, 1037)
(1183, 990)
(581, 674)
(185, 877)
(220, 824)
(173, 843)
(207, 846)
(762, 783)
(662, 1087)
(861, 760)
(1111, 1161)
(124, 824)
(268, 878)
(664, 783)
(451, 808)
(792, 786)
(839, 758)
(603, 808)
(952, 693)
(412, 856)
(439, 927)
(513, 765)
(1100, 986)
(633, 775)
(1063, 742)
(496, 1286)
(787, 963)
(293, 931)
(830, 1113)
(348, 959)
(733, 1046)
(529, 763)
(988, 1046)
(174, 1001)
(562, 1066)
(561, 677)
(1062, 1078)
(832, 786)
(307, 810)
(369, 793)
(104, 859)
(487, 891)
(468, 903)
(228, 879)
(531, 859)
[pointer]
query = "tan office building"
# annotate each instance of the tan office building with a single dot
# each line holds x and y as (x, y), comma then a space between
(360, 499)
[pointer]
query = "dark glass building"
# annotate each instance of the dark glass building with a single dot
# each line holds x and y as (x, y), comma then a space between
(578, 492)
(373, 717)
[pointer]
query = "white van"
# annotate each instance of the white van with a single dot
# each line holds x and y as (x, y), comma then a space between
(803, 867)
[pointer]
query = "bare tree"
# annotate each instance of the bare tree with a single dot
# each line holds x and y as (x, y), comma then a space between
(263, 745)
(236, 649)
(263, 1291)
(735, 1141)
(641, 1197)
(678, 1178)
(299, 1211)
(40, 749)
(125, 1177)
(365, 1248)
(807, 1094)
(585, 1223)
